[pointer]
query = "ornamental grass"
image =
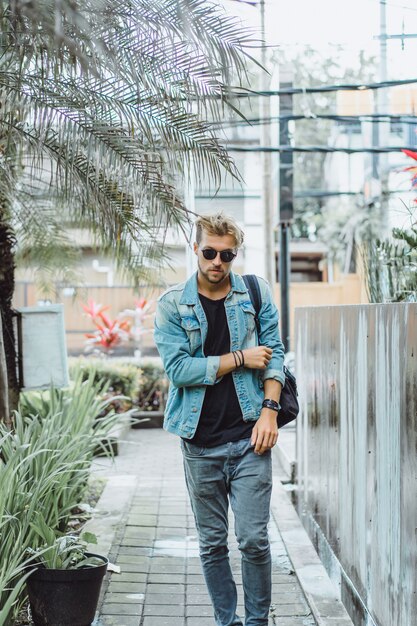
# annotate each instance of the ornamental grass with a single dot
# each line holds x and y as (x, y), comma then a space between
(45, 464)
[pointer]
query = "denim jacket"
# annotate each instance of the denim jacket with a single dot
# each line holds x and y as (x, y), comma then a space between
(180, 333)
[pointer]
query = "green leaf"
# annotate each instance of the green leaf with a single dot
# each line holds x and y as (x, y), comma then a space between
(89, 537)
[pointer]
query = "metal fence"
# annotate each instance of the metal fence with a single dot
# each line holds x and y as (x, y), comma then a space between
(356, 453)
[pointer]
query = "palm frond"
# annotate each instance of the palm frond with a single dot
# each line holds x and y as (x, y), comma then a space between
(108, 104)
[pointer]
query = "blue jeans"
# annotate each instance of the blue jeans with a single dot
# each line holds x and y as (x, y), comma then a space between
(213, 476)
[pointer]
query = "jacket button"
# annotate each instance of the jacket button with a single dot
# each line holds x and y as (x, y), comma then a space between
(194, 409)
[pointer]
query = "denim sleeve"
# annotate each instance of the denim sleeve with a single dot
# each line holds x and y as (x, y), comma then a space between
(269, 334)
(182, 369)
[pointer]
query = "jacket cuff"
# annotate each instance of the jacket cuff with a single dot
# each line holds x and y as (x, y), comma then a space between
(213, 364)
(275, 374)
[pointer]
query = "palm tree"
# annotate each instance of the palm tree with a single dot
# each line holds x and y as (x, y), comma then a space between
(104, 105)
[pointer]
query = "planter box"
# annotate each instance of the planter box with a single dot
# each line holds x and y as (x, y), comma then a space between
(147, 419)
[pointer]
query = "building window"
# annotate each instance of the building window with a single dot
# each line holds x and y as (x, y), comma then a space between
(305, 268)
(396, 126)
(350, 127)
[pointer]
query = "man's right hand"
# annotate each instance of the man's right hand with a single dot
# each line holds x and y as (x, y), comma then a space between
(257, 358)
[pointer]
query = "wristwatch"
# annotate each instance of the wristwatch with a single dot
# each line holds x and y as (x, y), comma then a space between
(271, 404)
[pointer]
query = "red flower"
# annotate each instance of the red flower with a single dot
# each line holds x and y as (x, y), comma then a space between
(93, 309)
(109, 332)
(410, 153)
(141, 303)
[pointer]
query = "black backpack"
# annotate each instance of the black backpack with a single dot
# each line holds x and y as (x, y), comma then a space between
(288, 400)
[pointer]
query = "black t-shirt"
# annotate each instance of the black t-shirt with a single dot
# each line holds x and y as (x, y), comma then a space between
(221, 416)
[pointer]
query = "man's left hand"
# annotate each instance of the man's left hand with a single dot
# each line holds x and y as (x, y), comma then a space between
(265, 431)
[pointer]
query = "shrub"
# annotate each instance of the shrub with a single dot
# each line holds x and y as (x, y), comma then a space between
(145, 385)
(44, 468)
(152, 388)
(121, 377)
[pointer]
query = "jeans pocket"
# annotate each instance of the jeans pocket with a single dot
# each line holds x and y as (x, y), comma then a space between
(191, 450)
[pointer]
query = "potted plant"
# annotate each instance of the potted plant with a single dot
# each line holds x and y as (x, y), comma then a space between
(64, 586)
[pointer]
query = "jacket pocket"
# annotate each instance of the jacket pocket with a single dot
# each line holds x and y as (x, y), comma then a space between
(249, 317)
(191, 325)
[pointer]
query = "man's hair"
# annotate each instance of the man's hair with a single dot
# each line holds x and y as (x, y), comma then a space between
(220, 225)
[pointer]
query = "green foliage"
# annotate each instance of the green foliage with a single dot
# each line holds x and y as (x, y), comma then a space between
(120, 377)
(44, 468)
(325, 219)
(153, 388)
(62, 551)
(103, 113)
(391, 267)
(144, 386)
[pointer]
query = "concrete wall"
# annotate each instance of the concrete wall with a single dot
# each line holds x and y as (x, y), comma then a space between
(356, 453)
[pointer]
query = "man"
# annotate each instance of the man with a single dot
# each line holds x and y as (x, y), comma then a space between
(225, 384)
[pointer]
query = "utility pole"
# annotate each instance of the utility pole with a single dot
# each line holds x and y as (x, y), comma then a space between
(286, 206)
(382, 129)
(266, 159)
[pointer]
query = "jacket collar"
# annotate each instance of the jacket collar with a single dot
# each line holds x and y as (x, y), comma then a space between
(190, 292)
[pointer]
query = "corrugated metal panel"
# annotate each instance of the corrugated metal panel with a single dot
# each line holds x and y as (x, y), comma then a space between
(356, 449)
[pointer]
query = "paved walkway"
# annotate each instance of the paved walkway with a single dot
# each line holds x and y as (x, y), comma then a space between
(155, 545)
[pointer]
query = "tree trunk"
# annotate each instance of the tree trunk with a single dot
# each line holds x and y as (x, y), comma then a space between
(4, 393)
(7, 268)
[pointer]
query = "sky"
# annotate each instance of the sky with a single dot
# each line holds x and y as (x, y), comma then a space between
(353, 24)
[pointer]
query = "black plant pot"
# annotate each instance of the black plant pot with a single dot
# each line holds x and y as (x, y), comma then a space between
(60, 597)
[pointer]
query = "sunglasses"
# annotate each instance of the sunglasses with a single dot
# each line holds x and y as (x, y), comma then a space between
(226, 256)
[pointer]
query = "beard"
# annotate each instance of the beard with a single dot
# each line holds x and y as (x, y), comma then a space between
(215, 278)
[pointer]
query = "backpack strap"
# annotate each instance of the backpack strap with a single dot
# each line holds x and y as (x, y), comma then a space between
(254, 290)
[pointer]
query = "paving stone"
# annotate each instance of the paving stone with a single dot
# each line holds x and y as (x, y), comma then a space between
(126, 588)
(200, 621)
(135, 568)
(198, 599)
(283, 578)
(168, 568)
(133, 542)
(165, 598)
(131, 550)
(290, 597)
(195, 579)
(139, 510)
(142, 520)
(165, 588)
(292, 621)
(168, 560)
(138, 532)
(164, 621)
(135, 559)
(196, 589)
(131, 577)
(199, 611)
(283, 588)
(171, 521)
(114, 608)
(291, 610)
(166, 578)
(125, 597)
(117, 620)
(171, 533)
(164, 609)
